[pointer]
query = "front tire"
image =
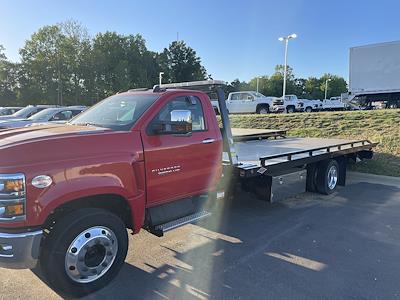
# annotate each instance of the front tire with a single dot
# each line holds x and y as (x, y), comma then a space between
(84, 251)
(308, 109)
(262, 109)
(290, 109)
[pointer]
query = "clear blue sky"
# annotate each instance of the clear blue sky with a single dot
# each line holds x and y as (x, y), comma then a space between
(235, 39)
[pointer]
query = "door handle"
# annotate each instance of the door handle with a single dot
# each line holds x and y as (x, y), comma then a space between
(208, 141)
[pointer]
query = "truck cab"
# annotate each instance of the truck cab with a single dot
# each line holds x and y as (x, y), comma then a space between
(246, 102)
(289, 104)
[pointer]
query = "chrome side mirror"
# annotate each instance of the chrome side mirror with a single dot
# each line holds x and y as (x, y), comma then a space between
(181, 116)
(181, 123)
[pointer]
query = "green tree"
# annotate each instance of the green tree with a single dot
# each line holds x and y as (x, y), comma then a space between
(41, 65)
(180, 62)
(336, 85)
(262, 84)
(8, 80)
(313, 88)
(121, 63)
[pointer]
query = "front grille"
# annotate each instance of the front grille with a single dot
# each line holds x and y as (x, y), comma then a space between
(277, 102)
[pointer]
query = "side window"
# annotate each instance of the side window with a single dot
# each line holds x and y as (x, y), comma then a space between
(32, 113)
(191, 103)
(62, 115)
(76, 112)
(247, 97)
(235, 97)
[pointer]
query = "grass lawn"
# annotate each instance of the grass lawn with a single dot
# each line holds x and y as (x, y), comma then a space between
(381, 126)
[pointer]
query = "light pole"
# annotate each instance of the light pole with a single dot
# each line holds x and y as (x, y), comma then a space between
(286, 40)
(326, 86)
(257, 82)
(160, 78)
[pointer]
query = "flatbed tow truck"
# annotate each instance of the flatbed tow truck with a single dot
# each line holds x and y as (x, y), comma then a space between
(143, 159)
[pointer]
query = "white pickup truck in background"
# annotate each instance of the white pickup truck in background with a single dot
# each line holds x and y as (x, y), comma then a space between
(290, 104)
(334, 103)
(246, 102)
(311, 105)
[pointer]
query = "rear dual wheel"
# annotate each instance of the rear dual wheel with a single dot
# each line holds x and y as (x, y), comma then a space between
(327, 176)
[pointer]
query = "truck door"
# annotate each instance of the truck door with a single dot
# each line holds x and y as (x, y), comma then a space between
(233, 103)
(248, 103)
(181, 165)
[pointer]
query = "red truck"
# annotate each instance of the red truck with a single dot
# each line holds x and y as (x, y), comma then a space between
(140, 159)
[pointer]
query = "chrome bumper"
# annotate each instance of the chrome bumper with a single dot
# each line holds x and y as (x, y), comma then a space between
(277, 108)
(20, 250)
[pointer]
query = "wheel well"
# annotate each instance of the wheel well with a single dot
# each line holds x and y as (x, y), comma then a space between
(115, 204)
(262, 105)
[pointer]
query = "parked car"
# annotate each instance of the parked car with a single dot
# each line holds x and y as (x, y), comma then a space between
(56, 114)
(290, 104)
(26, 112)
(6, 111)
(246, 102)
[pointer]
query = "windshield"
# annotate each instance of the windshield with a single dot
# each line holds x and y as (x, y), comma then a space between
(117, 112)
(23, 112)
(43, 115)
(258, 95)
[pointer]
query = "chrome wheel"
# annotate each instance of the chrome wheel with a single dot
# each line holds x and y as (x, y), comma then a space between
(263, 111)
(332, 177)
(91, 254)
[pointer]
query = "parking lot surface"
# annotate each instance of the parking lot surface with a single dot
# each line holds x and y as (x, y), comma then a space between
(345, 245)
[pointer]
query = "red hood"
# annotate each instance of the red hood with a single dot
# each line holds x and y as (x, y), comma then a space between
(50, 143)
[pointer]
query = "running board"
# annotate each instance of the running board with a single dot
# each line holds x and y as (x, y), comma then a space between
(159, 230)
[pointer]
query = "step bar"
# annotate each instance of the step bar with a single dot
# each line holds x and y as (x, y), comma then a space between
(159, 230)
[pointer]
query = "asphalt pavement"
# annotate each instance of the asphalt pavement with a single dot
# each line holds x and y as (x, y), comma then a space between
(342, 246)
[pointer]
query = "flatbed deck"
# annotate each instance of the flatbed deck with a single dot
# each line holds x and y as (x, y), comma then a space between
(271, 154)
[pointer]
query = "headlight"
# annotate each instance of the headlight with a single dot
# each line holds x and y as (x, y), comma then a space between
(12, 197)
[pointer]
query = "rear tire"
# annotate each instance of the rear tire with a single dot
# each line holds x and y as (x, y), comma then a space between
(84, 251)
(327, 176)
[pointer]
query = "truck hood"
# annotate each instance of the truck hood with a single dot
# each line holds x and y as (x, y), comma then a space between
(14, 123)
(52, 143)
(9, 117)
